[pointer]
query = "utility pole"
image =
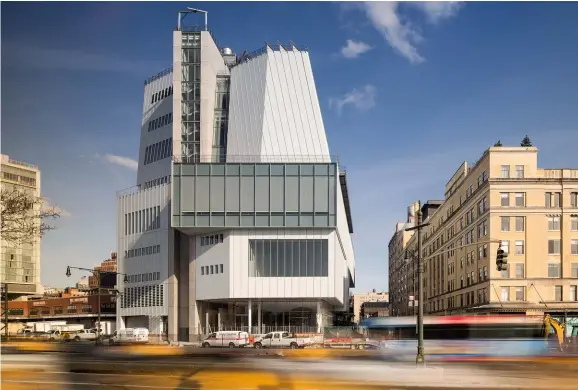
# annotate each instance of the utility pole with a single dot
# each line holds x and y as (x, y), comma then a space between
(5, 308)
(98, 303)
(420, 359)
(99, 284)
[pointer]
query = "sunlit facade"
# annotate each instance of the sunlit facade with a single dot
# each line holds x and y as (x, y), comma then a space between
(20, 262)
(506, 200)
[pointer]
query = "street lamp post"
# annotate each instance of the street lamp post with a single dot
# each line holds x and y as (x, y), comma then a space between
(100, 272)
(420, 359)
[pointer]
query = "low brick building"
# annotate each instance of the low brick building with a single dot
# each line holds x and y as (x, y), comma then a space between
(67, 307)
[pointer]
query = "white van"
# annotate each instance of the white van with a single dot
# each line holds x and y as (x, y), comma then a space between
(130, 335)
(230, 339)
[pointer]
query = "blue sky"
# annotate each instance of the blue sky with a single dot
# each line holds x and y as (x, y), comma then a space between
(407, 91)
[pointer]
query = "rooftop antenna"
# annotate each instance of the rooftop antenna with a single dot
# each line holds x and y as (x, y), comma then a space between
(183, 14)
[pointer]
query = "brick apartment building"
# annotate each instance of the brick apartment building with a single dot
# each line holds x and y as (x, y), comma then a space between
(108, 280)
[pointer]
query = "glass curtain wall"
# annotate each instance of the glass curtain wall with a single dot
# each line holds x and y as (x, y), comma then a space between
(191, 96)
(288, 258)
(220, 126)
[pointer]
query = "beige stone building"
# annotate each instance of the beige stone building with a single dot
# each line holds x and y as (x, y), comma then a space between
(20, 265)
(360, 299)
(503, 199)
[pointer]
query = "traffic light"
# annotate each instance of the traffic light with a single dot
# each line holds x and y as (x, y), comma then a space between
(501, 260)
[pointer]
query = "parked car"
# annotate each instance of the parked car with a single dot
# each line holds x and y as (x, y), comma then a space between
(129, 336)
(281, 340)
(230, 339)
(84, 334)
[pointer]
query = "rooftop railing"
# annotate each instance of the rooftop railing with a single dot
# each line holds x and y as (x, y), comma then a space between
(158, 75)
(266, 159)
(249, 56)
(22, 164)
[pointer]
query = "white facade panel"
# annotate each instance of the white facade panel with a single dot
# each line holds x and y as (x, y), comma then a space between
(212, 64)
(247, 108)
(244, 286)
(274, 109)
(215, 284)
(151, 111)
(135, 237)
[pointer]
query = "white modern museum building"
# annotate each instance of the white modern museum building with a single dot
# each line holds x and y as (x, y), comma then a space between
(240, 218)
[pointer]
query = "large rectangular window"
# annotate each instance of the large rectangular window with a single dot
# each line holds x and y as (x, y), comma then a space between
(553, 247)
(554, 223)
(505, 224)
(288, 258)
(519, 224)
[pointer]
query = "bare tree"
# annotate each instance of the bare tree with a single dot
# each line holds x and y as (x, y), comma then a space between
(24, 216)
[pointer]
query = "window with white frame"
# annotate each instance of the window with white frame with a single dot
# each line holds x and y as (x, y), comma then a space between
(519, 247)
(519, 171)
(553, 270)
(554, 247)
(574, 247)
(505, 172)
(574, 223)
(505, 246)
(554, 223)
(520, 224)
(520, 199)
(505, 224)
(573, 293)
(558, 293)
(505, 294)
(520, 270)
(519, 293)
(505, 199)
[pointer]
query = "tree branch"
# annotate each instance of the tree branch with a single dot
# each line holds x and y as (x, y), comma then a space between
(23, 217)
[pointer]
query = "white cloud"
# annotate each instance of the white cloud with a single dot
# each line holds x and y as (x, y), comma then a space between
(126, 162)
(354, 49)
(48, 205)
(399, 32)
(363, 99)
(437, 11)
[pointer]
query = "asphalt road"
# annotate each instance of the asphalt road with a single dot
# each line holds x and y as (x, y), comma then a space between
(217, 380)
(214, 372)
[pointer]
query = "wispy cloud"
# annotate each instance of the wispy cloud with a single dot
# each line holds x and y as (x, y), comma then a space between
(400, 33)
(19, 55)
(363, 99)
(354, 49)
(122, 161)
(436, 11)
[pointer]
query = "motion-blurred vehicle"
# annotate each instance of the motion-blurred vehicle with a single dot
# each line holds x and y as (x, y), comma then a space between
(129, 336)
(52, 335)
(230, 339)
(281, 340)
(79, 335)
(459, 337)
